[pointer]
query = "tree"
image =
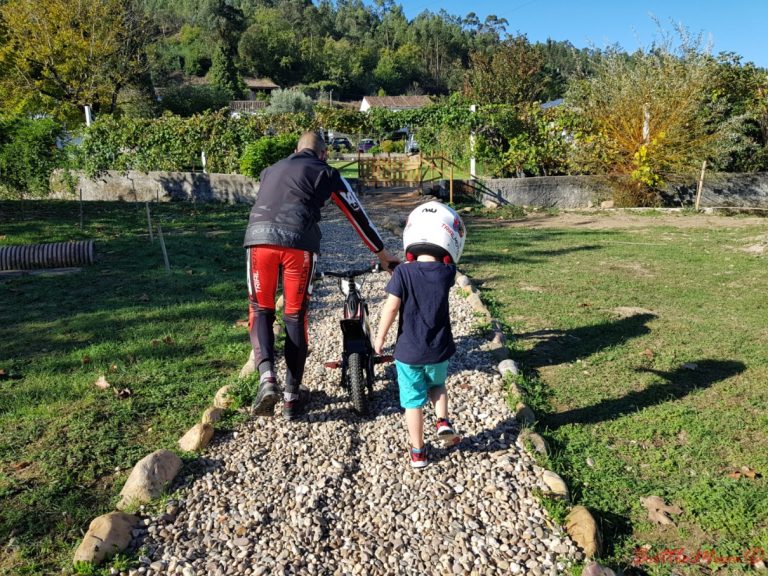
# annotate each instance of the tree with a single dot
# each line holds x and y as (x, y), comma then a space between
(511, 75)
(63, 54)
(442, 47)
(224, 75)
(28, 155)
(645, 117)
(397, 68)
(270, 47)
(738, 100)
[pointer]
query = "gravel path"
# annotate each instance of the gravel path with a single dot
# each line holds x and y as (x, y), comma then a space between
(334, 493)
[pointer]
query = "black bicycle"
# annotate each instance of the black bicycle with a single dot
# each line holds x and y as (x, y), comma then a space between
(358, 356)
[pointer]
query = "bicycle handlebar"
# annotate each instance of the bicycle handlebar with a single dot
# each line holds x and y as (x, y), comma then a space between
(352, 273)
(371, 268)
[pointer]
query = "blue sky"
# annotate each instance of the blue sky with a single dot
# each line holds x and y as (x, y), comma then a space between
(739, 26)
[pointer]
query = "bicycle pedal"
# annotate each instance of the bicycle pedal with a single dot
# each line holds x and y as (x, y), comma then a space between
(383, 358)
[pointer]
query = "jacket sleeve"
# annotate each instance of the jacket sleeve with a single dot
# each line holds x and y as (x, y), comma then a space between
(347, 201)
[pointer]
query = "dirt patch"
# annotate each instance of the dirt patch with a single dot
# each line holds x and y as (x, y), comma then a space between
(382, 202)
(758, 246)
(629, 311)
(613, 219)
(634, 268)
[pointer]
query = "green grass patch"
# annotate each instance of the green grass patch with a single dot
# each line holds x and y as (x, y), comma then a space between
(643, 350)
(66, 447)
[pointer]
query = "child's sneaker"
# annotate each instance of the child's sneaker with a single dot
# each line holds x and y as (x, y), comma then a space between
(446, 433)
(419, 457)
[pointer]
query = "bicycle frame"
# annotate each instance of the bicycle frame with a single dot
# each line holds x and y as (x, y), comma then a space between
(358, 357)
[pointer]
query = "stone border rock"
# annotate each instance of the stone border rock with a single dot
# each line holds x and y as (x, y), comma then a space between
(110, 533)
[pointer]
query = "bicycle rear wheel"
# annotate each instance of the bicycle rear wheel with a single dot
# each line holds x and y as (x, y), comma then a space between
(357, 382)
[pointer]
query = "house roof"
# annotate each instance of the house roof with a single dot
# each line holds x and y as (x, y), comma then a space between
(260, 83)
(397, 102)
(552, 103)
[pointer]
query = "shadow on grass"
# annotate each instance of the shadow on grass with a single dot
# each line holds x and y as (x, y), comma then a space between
(678, 383)
(561, 346)
(525, 247)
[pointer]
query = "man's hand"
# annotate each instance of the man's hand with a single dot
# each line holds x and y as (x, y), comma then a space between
(388, 262)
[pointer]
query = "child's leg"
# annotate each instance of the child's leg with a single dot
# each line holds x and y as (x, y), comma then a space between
(439, 398)
(412, 384)
(438, 394)
(414, 419)
(436, 375)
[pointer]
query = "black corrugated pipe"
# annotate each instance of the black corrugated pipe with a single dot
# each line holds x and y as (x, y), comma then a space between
(55, 255)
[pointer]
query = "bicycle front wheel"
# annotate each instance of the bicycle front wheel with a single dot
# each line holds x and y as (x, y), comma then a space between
(357, 382)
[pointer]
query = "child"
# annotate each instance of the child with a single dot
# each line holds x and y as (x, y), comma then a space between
(433, 240)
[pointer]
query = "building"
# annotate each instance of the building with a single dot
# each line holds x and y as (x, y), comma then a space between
(259, 87)
(259, 90)
(394, 103)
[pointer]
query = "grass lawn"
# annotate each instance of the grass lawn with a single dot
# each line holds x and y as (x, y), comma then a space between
(66, 447)
(643, 347)
(644, 351)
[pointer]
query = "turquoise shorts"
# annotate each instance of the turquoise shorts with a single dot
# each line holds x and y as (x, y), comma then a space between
(414, 381)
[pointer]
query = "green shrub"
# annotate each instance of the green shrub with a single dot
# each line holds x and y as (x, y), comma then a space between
(190, 100)
(387, 146)
(266, 151)
(290, 102)
(28, 155)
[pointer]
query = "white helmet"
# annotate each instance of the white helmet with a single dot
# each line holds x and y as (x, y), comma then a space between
(436, 229)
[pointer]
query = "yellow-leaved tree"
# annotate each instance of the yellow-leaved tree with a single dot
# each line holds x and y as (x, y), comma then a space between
(59, 55)
(645, 117)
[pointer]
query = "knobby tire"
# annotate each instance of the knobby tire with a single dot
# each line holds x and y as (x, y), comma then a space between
(357, 382)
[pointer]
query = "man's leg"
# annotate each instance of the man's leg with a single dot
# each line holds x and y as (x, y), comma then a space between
(263, 265)
(298, 269)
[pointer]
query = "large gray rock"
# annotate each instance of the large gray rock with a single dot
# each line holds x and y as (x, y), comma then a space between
(537, 441)
(508, 366)
(106, 536)
(149, 478)
(595, 569)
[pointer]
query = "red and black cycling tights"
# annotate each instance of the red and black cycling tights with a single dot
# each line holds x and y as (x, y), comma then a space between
(265, 265)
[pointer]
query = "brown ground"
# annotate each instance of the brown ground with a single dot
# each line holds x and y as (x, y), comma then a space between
(382, 202)
(619, 218)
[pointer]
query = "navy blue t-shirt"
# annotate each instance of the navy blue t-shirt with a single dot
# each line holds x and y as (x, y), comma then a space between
(424, 330)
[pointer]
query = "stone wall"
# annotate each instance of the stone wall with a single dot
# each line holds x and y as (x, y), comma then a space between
(135, 186)
(545, 191)
(719, 190)
(564, 192)
(727, 190)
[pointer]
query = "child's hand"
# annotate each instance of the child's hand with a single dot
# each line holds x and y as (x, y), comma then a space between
(378, 344)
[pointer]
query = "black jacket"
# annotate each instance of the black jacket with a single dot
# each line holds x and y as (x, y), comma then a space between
(291, 194)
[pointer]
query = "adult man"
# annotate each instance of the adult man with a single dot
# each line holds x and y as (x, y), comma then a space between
(283, 236)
